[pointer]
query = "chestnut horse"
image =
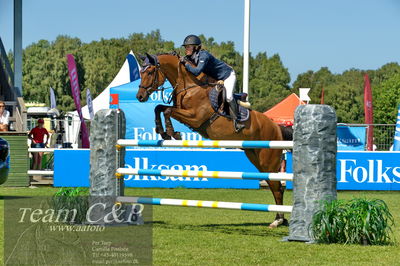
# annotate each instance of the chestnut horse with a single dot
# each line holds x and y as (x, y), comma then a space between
(191, 106)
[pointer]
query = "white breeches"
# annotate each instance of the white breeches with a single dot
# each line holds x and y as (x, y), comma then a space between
(229, 84)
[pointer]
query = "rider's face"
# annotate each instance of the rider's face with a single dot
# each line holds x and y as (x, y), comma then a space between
(189, 50)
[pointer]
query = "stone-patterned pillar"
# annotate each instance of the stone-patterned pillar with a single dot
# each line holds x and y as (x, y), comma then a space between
(106, 128)
(314, 165)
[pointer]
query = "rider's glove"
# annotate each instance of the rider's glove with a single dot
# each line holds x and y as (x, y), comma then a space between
(182, 59)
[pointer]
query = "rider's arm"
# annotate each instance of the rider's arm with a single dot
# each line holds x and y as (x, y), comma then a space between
(196, 70)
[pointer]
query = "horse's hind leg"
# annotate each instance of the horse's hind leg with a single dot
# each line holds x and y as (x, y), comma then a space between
(168, 124)
(159, 127)
(269, 161)
(277, 191)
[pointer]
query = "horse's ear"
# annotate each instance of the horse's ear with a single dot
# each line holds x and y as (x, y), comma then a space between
(152, 59)
(141, 57)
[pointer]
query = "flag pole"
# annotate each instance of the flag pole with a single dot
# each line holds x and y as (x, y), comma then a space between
(246, 46)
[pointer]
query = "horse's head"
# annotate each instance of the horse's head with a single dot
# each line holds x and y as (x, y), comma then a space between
(151, 77)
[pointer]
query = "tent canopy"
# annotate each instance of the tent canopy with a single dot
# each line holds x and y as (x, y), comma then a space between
(283, 112)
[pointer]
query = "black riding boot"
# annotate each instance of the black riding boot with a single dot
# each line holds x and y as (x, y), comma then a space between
(233, 110)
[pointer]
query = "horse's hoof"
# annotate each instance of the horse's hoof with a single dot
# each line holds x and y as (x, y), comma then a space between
(285, 222)
(170, 132)
(177, 135)
(277, 223)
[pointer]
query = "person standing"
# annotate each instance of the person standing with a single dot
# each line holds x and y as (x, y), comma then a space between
(4, 116)
(36, 135)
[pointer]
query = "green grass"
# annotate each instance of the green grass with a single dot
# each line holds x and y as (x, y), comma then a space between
(190, 236)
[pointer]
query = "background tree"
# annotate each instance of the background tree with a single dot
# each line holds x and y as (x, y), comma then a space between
(45, 66)
(269, 81)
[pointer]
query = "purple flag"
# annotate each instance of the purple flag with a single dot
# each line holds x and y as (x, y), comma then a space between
(76, 93)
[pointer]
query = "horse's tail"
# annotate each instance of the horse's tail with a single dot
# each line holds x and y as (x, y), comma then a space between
(287, 132)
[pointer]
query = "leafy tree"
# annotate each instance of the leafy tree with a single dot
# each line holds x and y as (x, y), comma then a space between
(323, 78)
(269, 81)
(386, 99)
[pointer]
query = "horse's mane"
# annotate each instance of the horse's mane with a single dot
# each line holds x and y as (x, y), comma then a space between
(188, 73)
(175, 53)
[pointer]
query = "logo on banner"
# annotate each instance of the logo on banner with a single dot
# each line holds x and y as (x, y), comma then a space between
(143, 163)
(162, 97)
(367, 171)
(350, 138)
(140, 133)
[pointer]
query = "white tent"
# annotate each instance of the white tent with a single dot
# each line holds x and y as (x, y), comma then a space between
(102, 101)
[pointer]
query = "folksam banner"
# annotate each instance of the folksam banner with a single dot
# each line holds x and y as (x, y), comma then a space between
(159, 159)
(350, 138)
(396, 144)
(364, 170)
(76, 93)
(354, 170)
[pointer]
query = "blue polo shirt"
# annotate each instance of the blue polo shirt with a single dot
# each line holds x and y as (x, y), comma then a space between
(210, 66)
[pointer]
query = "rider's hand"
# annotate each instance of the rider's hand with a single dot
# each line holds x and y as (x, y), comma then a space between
(220, 82)
(182, 59)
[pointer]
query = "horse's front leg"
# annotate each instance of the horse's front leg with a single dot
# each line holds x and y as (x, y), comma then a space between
(168, 125)
(159, 127)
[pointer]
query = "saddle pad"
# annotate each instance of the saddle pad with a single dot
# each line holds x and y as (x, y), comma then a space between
(216, 99)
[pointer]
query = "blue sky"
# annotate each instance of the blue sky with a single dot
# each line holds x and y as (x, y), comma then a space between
(307, 34)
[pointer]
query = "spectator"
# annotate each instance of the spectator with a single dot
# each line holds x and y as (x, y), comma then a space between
(4, 115)
(37, 137)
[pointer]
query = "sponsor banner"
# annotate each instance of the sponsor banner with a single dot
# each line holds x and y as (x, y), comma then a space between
(89, 103)
(364, 170)
(53, 103)
(75, 173)
(350, 138)
(355, 170)
(76, 94)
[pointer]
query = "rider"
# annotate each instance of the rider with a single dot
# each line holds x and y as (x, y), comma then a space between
(211, 66)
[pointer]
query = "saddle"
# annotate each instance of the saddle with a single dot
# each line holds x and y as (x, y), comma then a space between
(221, 107)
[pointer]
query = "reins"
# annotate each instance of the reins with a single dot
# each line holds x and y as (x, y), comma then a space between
(174, 92)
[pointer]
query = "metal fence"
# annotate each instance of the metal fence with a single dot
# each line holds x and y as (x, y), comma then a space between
(383, 135)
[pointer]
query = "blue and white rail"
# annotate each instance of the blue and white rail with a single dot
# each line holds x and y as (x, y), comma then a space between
(207, 174)
(207, 204)
(233, 144)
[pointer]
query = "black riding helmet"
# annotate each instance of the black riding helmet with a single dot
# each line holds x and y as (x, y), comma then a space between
(191, 40)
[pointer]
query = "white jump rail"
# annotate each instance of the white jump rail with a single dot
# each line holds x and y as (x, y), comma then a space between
(232, 144)
(206, 204)
(207, 174)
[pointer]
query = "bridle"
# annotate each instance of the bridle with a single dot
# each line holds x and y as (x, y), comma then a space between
(154, 84)
(155, 81)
